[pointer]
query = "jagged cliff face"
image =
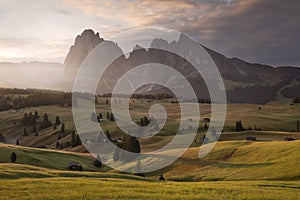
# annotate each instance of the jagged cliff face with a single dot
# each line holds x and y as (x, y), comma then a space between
(244, 82)
(83, 45)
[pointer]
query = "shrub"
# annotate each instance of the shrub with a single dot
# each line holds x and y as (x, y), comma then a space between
(98, 162)
(13, 157)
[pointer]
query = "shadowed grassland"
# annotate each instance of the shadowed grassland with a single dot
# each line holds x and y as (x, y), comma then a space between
(44, 157)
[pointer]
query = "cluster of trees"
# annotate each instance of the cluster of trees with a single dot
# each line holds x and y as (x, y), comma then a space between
(296, 100)
(21, 98)
(29, 118)
(145, 121)
(129, 144)
(46, 123)
(110, 116)
(239, 126)
(96, 118)
(75, 139)
(141, 96)
(152, 96)
(5, 103)
(199, 100)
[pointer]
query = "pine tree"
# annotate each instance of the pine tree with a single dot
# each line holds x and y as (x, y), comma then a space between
(36, 133)
(25, 132)
(161, 178)
(25, 119)
(36, 115)
(57, 145)
(57, 121)
(62, 128)
(205, 126)
(146, 121)
(239, 126)
(46, 118)
(108, 135)
(112, 118)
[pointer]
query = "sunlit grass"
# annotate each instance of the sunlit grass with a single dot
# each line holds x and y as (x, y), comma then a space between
(112, 188)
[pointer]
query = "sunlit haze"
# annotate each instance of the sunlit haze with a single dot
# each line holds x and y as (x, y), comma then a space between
(44, 30)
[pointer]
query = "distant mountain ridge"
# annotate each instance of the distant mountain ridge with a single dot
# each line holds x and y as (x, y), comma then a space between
(42, 75)
(245, 82)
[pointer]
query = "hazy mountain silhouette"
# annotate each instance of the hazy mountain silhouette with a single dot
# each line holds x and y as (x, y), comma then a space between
(43, 75)
(245, 82)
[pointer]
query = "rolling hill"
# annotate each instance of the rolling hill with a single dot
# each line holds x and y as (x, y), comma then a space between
(229, 160)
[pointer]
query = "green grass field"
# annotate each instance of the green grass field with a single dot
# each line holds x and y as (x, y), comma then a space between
(268, 168)
(257, 170)
(120, 188)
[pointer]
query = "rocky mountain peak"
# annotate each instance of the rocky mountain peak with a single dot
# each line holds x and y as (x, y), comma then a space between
(83, 45)
(243, 80)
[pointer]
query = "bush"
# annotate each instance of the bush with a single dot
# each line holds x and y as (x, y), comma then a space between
(13, 157)
(98, 162)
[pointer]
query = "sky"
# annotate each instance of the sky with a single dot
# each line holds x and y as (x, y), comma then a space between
(259, 31)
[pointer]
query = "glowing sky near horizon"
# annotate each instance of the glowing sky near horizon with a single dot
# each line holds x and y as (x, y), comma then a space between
(258, 31)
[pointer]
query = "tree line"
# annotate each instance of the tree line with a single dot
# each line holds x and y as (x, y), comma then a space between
(24, 98)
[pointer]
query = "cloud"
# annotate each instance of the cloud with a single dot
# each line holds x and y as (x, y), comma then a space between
(15, 49)
(264, 31)
(258, 31)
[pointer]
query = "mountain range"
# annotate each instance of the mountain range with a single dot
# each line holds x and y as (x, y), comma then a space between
(244, 82)
(41, 75)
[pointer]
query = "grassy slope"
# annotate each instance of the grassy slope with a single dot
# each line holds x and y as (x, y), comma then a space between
(276, 160)
(44, 158)
(275, 117)
(250, 161)
(19, 181)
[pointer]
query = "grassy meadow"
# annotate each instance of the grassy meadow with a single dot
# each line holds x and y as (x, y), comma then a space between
(122, 188)
(268, 168)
